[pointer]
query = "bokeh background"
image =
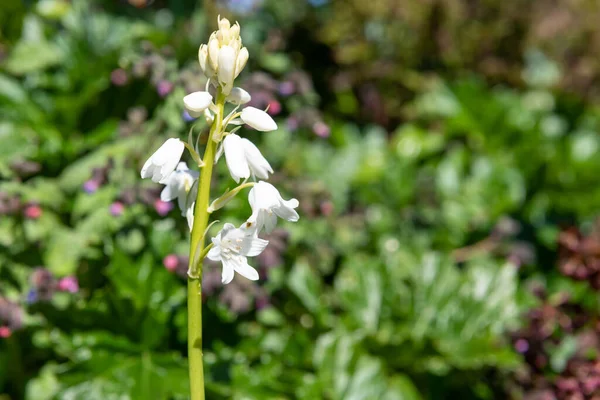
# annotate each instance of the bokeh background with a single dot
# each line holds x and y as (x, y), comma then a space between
(446, 159)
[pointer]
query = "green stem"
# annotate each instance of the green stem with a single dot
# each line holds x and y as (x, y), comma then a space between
(197, 245)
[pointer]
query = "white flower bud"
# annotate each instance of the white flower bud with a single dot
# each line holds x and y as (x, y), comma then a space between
(227, 58)
(195, 103)
(235, 31)
(258, 119)
(238, 96)
(213, 52)
(203, 56)
(241, 61)
(224, 24)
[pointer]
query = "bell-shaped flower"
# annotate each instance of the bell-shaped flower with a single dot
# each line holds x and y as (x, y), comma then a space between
(244, 159)
(195, 103)
(258, 119)
(231, 246)
(238, 96)
(267, 204)
(164, 160)
(179, 185)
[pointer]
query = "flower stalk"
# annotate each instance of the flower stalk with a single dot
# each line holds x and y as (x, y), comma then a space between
(201, 215)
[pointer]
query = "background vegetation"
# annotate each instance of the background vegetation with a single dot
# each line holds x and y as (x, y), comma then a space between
(446, 159)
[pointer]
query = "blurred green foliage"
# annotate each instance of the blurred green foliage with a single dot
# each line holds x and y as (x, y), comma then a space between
(408, 269)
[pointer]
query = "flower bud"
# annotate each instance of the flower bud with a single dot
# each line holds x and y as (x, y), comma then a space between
(224, 24)
(258, 119)
(227, 63)
(203, 56)
(197, 102)
(241, 61)
(213, 52)
(238, 96)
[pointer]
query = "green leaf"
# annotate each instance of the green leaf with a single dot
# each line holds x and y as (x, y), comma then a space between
(29, 56)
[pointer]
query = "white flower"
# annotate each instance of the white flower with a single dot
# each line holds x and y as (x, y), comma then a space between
(231, 246)
(244, 159)
(195, 103)
(238, 96)
(258, 119)
(267, 204)
(178, 186)
(164, 160)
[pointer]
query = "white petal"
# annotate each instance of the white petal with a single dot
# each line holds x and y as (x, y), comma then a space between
(182, 197)
(168, 193)
(202, 56)
(259, 166)
(253, 246)
(266, 196)
(148, 169)
(287, 212)
(241, 267)
(235, 158)
(214, 253)
(269, 221)
(197, 102)
(258, 119)
(164, 161)
(228, 270)
(213, 53)
(238, 96)
(227, 57)
(241, 61)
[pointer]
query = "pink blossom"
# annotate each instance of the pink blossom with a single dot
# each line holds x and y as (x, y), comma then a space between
(119, 77)
(171, 262)
(33, 211)
(68, 284)
(162, 207)
(274, 107)
(117, 208)
(321, 129)
(5, 332)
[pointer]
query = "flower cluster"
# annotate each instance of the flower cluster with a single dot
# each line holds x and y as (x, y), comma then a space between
(222, 60)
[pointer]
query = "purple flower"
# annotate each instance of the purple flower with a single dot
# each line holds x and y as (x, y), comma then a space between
(90, 186)
(321, 129)
(117, 208)
(292, 123)
(119, 77)
(32, 296)
(287, 88)
(164, 88)
(521, 346)
(68, 284)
